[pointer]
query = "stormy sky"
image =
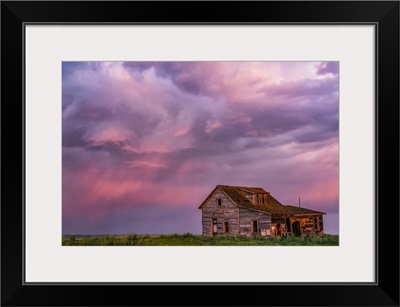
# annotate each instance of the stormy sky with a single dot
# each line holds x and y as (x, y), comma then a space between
(144, 143)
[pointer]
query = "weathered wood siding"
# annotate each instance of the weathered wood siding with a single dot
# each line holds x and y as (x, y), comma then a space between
(246, 216)
(307, 224)
(227, 212)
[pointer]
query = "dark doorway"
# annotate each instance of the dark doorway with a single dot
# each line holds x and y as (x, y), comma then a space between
(296, 228)
(288, 228)
(254, 226)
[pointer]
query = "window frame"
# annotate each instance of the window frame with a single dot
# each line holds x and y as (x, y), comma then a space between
(226, 226)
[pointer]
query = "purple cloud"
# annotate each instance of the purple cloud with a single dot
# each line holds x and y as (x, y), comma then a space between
(135, 133)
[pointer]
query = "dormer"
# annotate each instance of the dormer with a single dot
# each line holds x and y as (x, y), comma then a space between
(260, 198)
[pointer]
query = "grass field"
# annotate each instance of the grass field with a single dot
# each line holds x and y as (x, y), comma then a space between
(189, 239)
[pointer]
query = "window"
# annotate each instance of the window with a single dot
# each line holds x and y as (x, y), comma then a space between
(226, 227)
(214, 226)
(254, 226)
(219, 202)
(259, 198)
(316, 223)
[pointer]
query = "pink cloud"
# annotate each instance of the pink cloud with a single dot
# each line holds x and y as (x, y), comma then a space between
(110, 134)
(136, 133)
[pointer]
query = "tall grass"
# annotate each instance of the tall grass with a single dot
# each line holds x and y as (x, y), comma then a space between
(189, 239)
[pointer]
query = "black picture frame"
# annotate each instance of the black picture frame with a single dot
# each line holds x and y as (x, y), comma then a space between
(383, 14)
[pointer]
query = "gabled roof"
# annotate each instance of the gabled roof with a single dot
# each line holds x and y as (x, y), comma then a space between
(237, 194)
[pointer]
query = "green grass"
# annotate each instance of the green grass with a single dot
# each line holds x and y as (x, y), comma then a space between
(189, 239)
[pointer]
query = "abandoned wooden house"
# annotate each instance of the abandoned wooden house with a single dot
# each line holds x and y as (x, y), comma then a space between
(234, 210)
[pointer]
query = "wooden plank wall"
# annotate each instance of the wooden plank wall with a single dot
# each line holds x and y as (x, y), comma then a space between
(246, 216)
(227, 212)
(307, 224)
